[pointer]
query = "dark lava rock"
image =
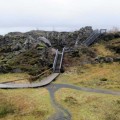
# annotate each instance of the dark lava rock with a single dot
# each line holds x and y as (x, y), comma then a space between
(109, 59)
(117, 59)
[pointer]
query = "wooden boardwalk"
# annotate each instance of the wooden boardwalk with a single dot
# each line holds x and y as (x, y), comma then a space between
(56, 67)
(43, 82)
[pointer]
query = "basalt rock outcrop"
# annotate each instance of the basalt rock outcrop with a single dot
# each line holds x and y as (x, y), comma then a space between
(22, 53)
(110, 36)
(34, 51)
(56, 39)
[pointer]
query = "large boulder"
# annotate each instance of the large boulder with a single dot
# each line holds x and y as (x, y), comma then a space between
(44, 40)
(109, 59)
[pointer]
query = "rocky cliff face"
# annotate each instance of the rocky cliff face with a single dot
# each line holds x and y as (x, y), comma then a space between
(57, 39)
(60, 39)
(32, 51)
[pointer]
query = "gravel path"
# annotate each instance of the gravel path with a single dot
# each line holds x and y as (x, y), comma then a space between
(59, 86)
(61, 112)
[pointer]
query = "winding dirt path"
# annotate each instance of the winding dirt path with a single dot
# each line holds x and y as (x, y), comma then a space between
(61, 112)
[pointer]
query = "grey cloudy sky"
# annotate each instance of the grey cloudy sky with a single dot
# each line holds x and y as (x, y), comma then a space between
(71, 14)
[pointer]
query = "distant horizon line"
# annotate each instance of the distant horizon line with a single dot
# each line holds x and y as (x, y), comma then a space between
(6, 30)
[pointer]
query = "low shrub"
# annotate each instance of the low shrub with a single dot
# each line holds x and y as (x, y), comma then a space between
(71, 100)
(103, 79)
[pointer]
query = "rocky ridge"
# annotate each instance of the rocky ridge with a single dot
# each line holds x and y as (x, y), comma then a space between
(33, 51)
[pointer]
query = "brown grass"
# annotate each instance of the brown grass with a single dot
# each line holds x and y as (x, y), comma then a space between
(28, 104)
(14, 76)
(101, 50)
(89, 106)
(93, 76)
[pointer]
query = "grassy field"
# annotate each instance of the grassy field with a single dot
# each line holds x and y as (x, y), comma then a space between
(89, 106)
(104, 75)
(14, 76)
(25, 104)
(104, 48)
(101, 50)
(34, 104)
(101, 75)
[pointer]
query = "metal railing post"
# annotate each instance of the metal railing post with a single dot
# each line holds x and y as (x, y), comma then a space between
(62, 58)
(55, 60)
(92, 37)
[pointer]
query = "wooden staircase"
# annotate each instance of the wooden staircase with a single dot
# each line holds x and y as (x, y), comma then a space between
(58, 61)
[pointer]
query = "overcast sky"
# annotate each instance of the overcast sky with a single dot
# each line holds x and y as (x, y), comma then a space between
(58, 14)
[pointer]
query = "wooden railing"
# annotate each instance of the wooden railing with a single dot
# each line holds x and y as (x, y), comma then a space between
(31, 78)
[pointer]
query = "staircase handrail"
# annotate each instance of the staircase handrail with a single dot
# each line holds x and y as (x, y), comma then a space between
(92, 39)
(91, 35)
(62, 58)
(55, 60)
